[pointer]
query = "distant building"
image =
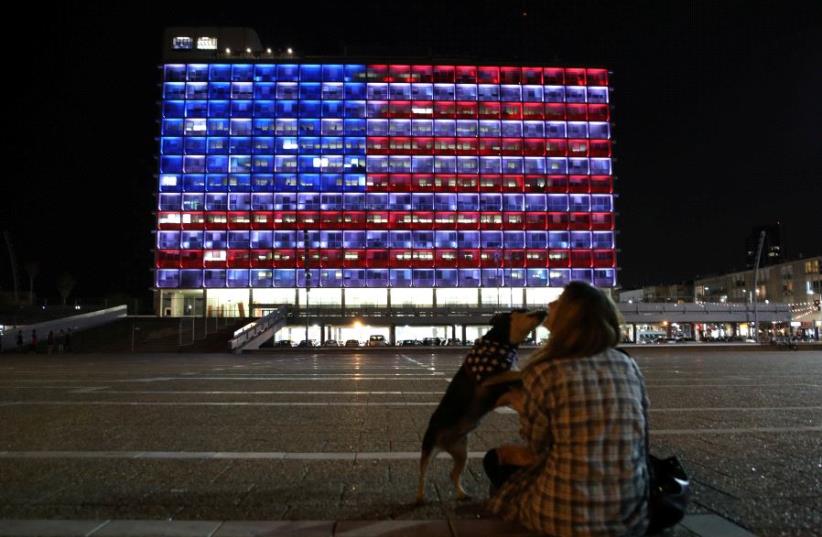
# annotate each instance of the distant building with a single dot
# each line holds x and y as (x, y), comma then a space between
(772, 250)
(676, 293)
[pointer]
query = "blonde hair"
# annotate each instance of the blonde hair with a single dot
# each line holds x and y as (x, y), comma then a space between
(585, 322)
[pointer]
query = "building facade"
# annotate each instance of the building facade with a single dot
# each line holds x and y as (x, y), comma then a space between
(379, 183)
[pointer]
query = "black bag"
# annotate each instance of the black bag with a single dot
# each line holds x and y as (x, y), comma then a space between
(670, 489)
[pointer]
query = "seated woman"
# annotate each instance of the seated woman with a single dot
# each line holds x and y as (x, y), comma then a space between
(583, 416)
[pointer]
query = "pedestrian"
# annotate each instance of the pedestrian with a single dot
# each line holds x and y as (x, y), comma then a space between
(50, 341)
(34, 340)
(60, 340)
(583, 417)
(19, 341)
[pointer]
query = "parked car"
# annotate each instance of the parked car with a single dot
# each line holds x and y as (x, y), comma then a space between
(352, 343)
(331, 343)
(377, 340)
(284, 343)
(409, 343)
(307, 343)
(432, 341)
(453, 342)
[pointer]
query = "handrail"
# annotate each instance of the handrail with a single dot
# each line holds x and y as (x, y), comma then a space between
(252, 330)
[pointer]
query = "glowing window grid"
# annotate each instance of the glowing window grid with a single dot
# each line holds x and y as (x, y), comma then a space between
(384, 175)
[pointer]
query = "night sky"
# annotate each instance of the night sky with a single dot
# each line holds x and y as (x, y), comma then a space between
(718, 117)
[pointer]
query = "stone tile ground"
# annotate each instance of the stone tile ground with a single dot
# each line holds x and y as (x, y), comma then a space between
(335, 436)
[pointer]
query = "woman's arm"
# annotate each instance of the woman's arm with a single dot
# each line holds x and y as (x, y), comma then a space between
(513, 455)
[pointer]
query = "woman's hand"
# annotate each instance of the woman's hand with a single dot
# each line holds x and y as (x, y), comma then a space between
(516, 455)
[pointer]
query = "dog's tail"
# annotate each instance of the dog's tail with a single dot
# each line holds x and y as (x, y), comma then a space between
(427, 452)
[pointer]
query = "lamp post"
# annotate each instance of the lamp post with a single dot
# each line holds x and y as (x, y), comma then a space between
(756, 285)
(307, 280)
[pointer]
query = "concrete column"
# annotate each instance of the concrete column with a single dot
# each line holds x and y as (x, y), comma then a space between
(633, 333)
(392, 334)
(322, 333)
(463, 333)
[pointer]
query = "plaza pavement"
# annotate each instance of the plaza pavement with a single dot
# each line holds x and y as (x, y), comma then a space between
(213, 444)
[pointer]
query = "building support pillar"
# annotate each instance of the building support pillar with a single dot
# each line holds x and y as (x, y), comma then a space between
(392, 335)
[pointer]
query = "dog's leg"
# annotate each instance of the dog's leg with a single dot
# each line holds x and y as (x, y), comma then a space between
(424, 460)
(459, 451)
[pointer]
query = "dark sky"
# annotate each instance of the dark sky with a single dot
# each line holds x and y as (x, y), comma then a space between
(717, 110)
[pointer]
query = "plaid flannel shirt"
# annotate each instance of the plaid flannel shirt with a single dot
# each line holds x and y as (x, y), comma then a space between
(585, 419)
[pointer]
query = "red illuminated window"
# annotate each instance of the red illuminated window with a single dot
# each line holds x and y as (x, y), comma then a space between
(239, 220)
(216, 220)
(512, 146)
(446, 258)
(490, 146)
(238, 258)
(401, 258)
(399, 73)
(490, 221)
(535, 183)
(602, 184)
(444, 146)
(466, 110)
(399, 109)
(511, 110)
(576, 112)
(283, 258)
(377, 259)
(559, 258)
(422, 73)
(535, 221)
(262, 259)
(167, 259)
(554, 112)
(191, 259)
(604, 258)
(517, 221)
(399, 144)
(445, 219)
(488, 110)
(533, 111)
(553, 76)
(445, 109)
(466, 74)
(578, 148)
(510, 75)
(444, 73)
(534, 147)
(400, 182)
(468, 183)
(602, 221)
(536, 258)
(331, 219)
(490, 183)
(377, 181)
(512, 183)
(377, 145)
(445, 183)
(423, 182)
(557, 221)
(579, 184)
(378, 220)
(488, 75)
(262, 220)
(597, 77)
(354, 258)
(575, 77)
(467, 220)
(377, 73)
(284, 220)
(581, 258)
(468, 258)
(400, 220)
(307, 219)
(600, 148)
(513, 259)
(422, 259)
(580, 221)
(331, 258)
(422, 220)
(557, 184)
(598, 112)
(467, 146)
(532, 75)
(556, 147)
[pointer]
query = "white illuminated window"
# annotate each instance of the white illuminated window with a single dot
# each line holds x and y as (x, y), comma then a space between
(182, 43)
(168, 180)
(206, 43)
(215, 255)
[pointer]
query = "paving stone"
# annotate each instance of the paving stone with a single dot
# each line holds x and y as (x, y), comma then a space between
(158, 528)
(48, 528)
(393, 528)
(304, 528)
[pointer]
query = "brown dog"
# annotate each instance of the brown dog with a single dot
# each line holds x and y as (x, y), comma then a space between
(474, 391)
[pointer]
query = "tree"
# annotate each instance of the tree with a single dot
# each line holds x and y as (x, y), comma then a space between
(65, 284)
(32, 269)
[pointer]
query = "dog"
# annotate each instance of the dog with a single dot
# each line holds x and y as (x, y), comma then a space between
(486, 375)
